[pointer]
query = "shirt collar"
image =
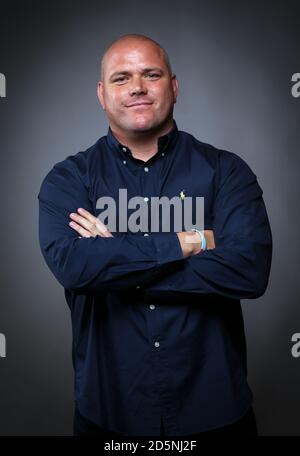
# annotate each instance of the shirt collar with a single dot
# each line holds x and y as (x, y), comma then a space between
(162, 141)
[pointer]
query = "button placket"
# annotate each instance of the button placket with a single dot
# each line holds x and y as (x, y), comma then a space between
(146, 199)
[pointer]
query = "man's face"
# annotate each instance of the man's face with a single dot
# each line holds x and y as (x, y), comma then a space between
(137, 91)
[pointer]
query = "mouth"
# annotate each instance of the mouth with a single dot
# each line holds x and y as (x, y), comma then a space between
(139, 104)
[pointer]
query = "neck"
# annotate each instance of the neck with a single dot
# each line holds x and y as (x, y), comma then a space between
(143, 145)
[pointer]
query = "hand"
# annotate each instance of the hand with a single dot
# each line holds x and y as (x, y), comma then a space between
(191, 243)
(210, 240)
(87, 225)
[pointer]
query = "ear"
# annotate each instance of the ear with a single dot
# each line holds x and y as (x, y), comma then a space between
(100, 94)
(175, 87)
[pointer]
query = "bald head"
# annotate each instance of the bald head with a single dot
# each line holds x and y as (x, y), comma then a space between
(131, 39)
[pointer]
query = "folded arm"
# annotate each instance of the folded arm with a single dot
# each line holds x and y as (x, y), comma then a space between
(240, 264)
(95, 264)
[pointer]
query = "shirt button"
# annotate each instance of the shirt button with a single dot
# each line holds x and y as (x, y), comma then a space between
(162, 154)
(124, 161)
(146, 234)
(137, 287)
(157, 344)
(146, 169)
(152, 306)
(124, 149)
(146, 198)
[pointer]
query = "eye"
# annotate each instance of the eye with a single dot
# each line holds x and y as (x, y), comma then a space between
(153, 75)
(120, 79)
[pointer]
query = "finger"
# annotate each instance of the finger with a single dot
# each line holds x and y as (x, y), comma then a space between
(86, 214)
(80, 230)
(86, 224)
(96, 222)
(104, 232)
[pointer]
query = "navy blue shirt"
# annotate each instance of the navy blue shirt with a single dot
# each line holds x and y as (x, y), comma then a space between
(156, 334)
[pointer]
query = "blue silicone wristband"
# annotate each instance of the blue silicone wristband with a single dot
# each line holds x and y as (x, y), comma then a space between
(203, 240)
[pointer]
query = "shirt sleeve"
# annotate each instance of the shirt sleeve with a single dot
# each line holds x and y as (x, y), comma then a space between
(95, 264)
(240, 264)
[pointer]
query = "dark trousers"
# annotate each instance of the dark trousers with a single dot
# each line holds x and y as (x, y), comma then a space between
(246, 425)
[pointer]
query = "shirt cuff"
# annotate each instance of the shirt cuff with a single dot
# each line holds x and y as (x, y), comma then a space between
(168, 248)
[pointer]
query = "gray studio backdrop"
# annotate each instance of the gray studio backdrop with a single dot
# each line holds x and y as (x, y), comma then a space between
(234, 61)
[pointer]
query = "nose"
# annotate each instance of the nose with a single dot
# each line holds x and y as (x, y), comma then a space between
(137, 86)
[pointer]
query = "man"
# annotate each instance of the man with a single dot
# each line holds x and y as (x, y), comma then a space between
(158, 334)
